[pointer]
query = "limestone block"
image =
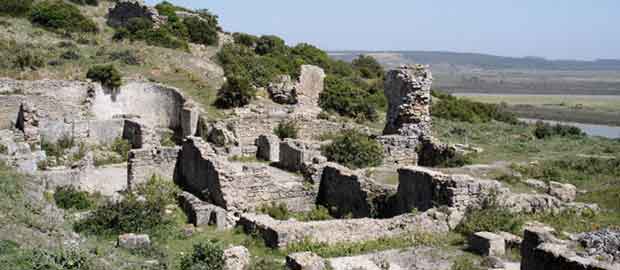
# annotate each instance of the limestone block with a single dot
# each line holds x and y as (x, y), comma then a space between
(237, 258)
(134, 241)
(487, 244)
(268, 148)
(305, 261)
(564, 192)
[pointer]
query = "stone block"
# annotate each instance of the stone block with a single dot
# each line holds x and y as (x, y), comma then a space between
(134, 241)
(268, 148)
(236, 258)
(487, 244)
(564, 192)
(305, 261)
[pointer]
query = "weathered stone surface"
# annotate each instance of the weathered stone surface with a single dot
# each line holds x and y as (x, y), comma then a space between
(422, 189)
(433, 152)
(487, 244)
(279, 234)
(305, 261)
(201, 213)
(235, 186)
(138, 134)
(564, 192)
(107, 180)
(418, 258)
(268, 148)
(542, 251)
(345, 192)
(142, 164)
(221, 135)
(28, 122)
(537, 184)
(408, 91)
(398, 149)
(134, 241)
(603, 243)
(295, 153)
(125, 10)
(283, 90)
(310, 86)
(237, 258)
(512, 241)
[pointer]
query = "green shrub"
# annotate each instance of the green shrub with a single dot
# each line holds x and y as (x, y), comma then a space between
(133, 214)
(57, 149)
(318, 213)
(464, 263)
(121, 147)
(490, 218)
(348, 98)
(276, 211)
(41, 259)
(452, 108)
(86, 2)
(368, 67)
(169, 10)
(69, 197)
(237, 92)
(545, 130)
(57, 15)
(355, 150)
(200, 31)
(127, 57)
(15, 8)
(107, 75)
(269, 44)
(172, 35)
(70, 55)
(245, 39)
(454, 161)
(27, 58)
(3, 149)
(205, 256)
(287, 129)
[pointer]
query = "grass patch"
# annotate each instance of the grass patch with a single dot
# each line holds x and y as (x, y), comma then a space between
(352, 249)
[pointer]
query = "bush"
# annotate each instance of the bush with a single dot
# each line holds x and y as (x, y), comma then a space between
(270, 44)
(276, 211)
(347, 98)
(546, 130)
(490, 218)
(121, 147)
(86, 2)
(70, 198)
(3, 149)
(245, 39)
(172, 35)
(286, 130)
(57, 15)
(452, 108)
(39, 259)
(368, 67)
(133, 214)
(27, 58)
(205, 256)
(127, 57)
(355, 150)
(200, 31)
(107, 75)
(15, 8)
(237, 92)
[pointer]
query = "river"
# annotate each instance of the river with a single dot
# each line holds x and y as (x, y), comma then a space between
(611, 132)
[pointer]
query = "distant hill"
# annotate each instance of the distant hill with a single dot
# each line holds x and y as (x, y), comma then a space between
(475, 60)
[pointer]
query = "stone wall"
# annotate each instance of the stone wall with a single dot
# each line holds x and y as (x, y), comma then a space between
(345, 192)
(157, 106)
(540, 250)
(408, 91)
(279, 234)
(144, 163)
(236, 186)
(295, 153)
(107, 180)
(95, 132)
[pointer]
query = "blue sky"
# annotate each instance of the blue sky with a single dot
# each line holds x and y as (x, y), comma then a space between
(557, 29)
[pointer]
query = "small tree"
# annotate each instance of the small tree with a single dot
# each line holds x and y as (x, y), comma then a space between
(206, 256)
(237, 92)
(355, 150)
(368, 67)
(286, 130)
(200, 31)
(107, 75)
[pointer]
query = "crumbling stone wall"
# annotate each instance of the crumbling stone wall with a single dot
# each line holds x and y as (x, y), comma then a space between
(540, 250)
(235, 186)
(201, 213)
(157, 106)
(408, 91)
(144, 163)
(279, 234)
(268, 148)
(345, 192)
(107, 180)
(295, 153)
